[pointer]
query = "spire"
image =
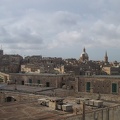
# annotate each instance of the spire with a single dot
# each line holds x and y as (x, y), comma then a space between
(106, 57)
(106, 54)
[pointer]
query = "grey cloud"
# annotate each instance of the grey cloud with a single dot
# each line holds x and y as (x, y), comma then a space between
(107, 33)
(18, 35)
(66, 18)
(31, 25)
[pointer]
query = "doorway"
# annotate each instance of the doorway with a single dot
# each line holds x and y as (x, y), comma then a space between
(9, 99)
(22, 82)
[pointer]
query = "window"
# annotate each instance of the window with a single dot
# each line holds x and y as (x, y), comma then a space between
(30, 80)
(114, 87)
(47, 84)
(71, 87)
(88, 87)
(38, 81)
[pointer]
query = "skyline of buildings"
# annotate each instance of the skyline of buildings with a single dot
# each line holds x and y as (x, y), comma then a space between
(77, 58)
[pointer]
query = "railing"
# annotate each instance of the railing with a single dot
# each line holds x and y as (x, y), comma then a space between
(93, 113)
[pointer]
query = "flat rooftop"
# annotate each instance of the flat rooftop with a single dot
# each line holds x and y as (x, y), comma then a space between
(35, 111)
(24, 88)
(100, 76)
(39, 74)
(29, 111)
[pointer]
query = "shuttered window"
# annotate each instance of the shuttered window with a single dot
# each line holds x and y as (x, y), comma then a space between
(88, 87)
(38, 81)
(114, 88)
(30, 80)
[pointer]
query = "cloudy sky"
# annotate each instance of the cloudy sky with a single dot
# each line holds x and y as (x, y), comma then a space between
(61, 28)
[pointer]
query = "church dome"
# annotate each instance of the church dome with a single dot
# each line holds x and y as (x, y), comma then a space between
(84, 53)
(84, 56)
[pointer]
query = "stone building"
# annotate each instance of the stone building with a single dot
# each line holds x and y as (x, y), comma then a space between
(42, 60)
(102, 84)
(32, 59)
(31, 68)
(47, 80)
(10, 63)
(89, 68)
(111, 70)
(60, 69)
(98, 84)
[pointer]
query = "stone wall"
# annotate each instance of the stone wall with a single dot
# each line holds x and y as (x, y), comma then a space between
(107, 97)
(54, 80)
(19, 97)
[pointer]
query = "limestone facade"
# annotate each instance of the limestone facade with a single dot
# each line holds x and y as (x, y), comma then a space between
(90, 84)
(99, 84)
(47, 80)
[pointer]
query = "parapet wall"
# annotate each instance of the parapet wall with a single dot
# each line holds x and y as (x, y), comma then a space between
(19, 97)
(107, 97)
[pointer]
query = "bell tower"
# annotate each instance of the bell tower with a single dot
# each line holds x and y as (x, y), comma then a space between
(106, 58)
(1, 51)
